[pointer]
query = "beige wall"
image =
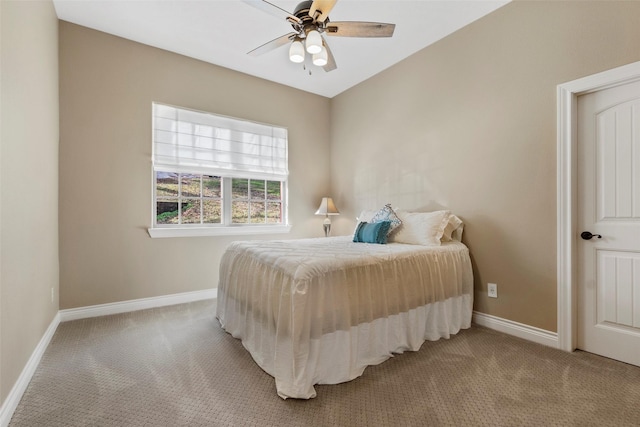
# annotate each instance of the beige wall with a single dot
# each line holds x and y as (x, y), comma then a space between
(28, 182)
(469, 124)
(107, 85)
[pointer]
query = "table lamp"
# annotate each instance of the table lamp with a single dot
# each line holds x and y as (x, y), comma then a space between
(327, 207)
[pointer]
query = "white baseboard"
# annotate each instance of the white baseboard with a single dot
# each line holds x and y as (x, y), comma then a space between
(13, 399)
(520, 330)
(135, 305)
(11, 402)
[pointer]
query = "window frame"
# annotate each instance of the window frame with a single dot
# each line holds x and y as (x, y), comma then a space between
(226, 227)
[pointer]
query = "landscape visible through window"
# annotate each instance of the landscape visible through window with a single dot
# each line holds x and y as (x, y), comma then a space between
(256, 201)
(183, 198)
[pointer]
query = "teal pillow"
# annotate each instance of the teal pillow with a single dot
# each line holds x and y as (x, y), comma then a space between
(375, 232)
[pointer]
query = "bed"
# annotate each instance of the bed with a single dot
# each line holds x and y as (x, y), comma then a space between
(319, 311)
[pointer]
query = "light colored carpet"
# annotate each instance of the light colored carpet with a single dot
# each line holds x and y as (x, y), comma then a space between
(175, 366)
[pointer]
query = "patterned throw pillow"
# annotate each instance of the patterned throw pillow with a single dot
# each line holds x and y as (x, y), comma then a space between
(387, 214)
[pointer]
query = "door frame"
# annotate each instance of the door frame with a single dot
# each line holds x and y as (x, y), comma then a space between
(567, 184)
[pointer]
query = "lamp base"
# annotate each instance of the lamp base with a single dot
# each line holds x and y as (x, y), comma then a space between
(327, 226)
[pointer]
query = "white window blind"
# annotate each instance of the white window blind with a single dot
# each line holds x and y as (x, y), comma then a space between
(196, 142)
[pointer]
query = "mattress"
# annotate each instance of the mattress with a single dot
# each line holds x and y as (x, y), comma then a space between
(318, 311)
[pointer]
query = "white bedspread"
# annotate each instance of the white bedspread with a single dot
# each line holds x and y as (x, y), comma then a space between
(318, 311)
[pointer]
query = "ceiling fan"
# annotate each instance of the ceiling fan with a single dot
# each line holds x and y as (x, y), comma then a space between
(310, 22)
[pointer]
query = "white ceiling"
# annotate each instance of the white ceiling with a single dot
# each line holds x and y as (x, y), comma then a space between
(221, 32)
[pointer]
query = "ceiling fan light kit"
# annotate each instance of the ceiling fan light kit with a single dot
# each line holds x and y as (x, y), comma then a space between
(311, 23)
(296, 52)
(314, 42)
(321, 58)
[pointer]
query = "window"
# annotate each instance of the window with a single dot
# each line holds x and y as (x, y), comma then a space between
(256, 201)
(216, 175)
(184, 198)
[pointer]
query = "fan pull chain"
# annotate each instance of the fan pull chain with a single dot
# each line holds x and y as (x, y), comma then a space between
(304, 67)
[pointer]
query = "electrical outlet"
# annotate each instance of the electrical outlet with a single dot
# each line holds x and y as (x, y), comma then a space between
(492, 290)
(52, 294)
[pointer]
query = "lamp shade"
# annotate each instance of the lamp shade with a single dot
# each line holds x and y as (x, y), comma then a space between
(296, 52)
(327, 207)
(320, 58)
(314, 42)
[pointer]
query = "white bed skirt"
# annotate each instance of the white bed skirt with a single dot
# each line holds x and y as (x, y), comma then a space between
(341, 355)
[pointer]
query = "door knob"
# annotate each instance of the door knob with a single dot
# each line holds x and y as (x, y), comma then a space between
(586, 235)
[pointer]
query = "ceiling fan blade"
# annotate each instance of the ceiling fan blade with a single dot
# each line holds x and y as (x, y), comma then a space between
(273, 44)
(322, 7)
(359, 29)
(331, 61)
(274, 10)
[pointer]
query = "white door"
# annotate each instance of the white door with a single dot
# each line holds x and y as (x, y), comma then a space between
(609, 206)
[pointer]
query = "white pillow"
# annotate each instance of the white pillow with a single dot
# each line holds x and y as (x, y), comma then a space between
(453, 225)
(421, 228)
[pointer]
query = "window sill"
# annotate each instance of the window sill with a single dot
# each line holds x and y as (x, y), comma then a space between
(217, 231)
